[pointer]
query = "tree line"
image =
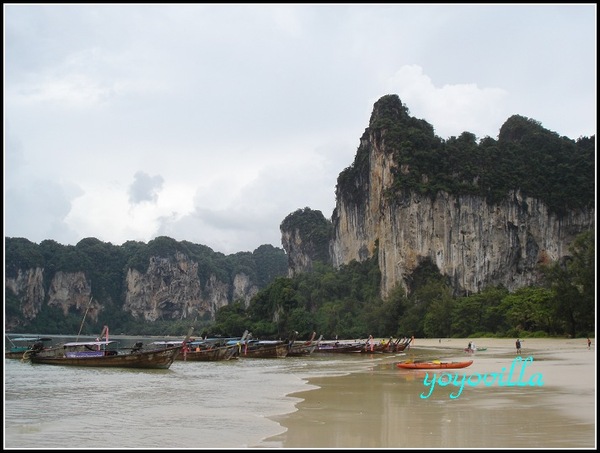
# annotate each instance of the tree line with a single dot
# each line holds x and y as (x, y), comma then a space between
(345, 303)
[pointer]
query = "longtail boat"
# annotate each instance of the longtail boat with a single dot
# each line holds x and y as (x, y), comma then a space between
(105, 353)
(340, 347)
(21, 345)
(304, 348)
(266, 349)
(211, 349)
(400, 345)
(390, 346)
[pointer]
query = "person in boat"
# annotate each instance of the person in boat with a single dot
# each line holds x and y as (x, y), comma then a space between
(137, 346)
(38, 346)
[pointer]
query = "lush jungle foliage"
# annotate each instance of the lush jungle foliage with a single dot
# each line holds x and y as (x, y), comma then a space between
(346, 304)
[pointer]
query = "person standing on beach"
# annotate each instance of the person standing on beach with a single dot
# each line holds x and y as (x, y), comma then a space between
(589, 342)
(518, 345)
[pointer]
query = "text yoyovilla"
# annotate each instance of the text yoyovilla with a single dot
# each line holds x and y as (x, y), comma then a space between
(515, 377)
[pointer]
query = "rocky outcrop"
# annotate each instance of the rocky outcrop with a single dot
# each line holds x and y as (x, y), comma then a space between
(243, 289)
(72, 291)
(300, 258)
(29, 286)
(305, 236)
(474, 243)
(170, 289)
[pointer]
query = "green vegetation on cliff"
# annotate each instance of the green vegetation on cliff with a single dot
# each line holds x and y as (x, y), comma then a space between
(314, 229)
(526, 157)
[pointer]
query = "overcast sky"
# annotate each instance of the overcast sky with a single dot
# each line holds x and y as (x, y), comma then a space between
(212, 123)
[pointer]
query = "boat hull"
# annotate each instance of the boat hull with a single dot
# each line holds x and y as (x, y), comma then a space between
(301, 350)
(209, 355)
(15, 354)
(278, 351)
(433, 365)
(328, 347)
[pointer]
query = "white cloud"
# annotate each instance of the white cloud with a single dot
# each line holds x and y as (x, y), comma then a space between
(211, 123)
(451, 109)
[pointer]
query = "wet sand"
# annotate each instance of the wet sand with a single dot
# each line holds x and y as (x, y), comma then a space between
(387, 407)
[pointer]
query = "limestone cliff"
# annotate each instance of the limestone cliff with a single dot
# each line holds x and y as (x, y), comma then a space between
(305, 236)
(29, 286)
(170, 289)
(475, 244)
(72, 291)
(472, 241)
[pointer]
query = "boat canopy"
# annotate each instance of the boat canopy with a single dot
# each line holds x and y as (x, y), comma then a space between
(168, 343)
(30, 339)
(89, 343)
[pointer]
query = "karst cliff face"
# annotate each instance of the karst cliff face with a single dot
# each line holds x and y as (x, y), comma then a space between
(300, 252)
(28, 285)
(474, 243)
(170, 289)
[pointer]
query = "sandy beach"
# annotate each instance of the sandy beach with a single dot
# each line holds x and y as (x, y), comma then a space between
(550, 404)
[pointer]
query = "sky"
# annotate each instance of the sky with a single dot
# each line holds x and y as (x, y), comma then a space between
(210, 123)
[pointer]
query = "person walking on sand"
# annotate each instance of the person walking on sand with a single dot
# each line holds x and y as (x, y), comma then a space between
(589, 342)
(518, 345)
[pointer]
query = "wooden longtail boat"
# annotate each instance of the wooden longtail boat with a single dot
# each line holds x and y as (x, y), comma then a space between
(211, 349)
(368, 346)
(102, 354)
(105, 353)
(304, 348)
(266, 349)
(340, 347)
(390, 346)
(209, 354)
(21, 345)
(432, 365)
(400, 346)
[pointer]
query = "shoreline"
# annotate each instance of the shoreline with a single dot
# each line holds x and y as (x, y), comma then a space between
(382, 406)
